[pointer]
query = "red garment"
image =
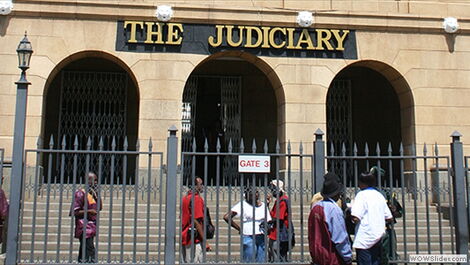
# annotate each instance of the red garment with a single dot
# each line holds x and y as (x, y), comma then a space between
(283, 215)
(321, 247)
(186, 216)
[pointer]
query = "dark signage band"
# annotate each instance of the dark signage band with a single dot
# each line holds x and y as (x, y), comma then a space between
(147, 36)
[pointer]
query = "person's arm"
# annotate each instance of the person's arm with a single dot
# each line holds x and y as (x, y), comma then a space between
(339, 235)
(199, 228)
(229, 218)
(358, 209)
(78, 209)
(81, 213)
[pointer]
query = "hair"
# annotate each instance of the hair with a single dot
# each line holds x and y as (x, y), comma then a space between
(190, 182)
(368, 179)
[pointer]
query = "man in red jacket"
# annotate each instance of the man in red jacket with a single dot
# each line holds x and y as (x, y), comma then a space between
(327, 236)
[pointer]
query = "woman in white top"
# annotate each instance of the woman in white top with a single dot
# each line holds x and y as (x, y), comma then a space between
(252, 235)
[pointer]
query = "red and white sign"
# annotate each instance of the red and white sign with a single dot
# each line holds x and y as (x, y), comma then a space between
(254, 164)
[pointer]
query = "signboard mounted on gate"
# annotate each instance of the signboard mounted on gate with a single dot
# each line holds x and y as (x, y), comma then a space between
(254, 164)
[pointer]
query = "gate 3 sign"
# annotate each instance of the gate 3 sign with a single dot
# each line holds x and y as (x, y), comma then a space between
(253, 164)
(143, 36)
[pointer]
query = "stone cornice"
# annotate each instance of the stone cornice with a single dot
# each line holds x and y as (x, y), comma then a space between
(184, 13)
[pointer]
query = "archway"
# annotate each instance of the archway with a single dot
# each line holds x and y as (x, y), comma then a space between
(230, 97)
(370, 108)
(92, 97)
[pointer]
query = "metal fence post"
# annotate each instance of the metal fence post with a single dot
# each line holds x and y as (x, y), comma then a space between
(17, 170)
(319, 159)
(170, 206)
(459, 186)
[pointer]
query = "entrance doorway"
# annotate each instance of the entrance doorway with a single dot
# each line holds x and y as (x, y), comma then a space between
(363, 116)
(92, 104)
(226, 100)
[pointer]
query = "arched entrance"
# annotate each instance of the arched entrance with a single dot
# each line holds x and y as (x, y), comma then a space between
(369, 106)
(92, 97)
(228, 97)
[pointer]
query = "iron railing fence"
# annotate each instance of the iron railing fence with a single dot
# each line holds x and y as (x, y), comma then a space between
(138, 225)
(225, 193)
(129, 228)
(420, 183)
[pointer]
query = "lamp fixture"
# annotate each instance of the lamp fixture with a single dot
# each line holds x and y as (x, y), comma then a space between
(305, 19)
(164, 13)
(24, 52)
(6, 6)
(450, 25)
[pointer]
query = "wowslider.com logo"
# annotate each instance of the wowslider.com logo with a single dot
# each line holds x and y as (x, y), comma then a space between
(448, 258)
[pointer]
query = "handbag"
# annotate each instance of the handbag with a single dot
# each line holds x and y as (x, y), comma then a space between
(284, 231)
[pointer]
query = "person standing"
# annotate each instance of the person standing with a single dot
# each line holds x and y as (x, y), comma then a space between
(328, 240)
(253, 238)
(279, 247)
(369, 212)
(85, 210)
(389, 241)
(192, 233)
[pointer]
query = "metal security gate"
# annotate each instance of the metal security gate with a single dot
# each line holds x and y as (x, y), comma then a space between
(231, 124)
(230, 119)
(92, 114)
(339, 121)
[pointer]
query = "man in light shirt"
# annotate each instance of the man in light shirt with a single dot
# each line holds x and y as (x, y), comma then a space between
(369, 212)
(250, 213)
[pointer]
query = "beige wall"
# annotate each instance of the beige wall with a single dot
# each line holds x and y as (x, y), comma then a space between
(413, 45)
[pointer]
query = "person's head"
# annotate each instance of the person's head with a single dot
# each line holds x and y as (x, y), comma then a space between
(366, 180)
(332, 187)
(198, 185)
(277, 187)
(92, 179)
(250, 194)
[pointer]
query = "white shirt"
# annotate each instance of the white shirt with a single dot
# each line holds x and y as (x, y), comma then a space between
(248, 220)
(372, 210)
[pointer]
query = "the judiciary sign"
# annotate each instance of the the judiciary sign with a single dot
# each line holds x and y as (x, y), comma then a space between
(145, 36)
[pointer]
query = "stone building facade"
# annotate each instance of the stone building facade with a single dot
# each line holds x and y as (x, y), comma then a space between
(377, 71)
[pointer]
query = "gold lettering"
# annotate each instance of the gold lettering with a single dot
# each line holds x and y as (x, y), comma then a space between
(150, 33)
(290, 38)
(340, 39)
(133, 24)
(323, 39)
(271, 38)
(265, 37)
(230, 37)
(305, 38)
(218, 29)
(174, 34)
(249, 33)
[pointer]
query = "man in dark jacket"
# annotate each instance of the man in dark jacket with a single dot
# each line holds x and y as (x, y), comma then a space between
(327, 237)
